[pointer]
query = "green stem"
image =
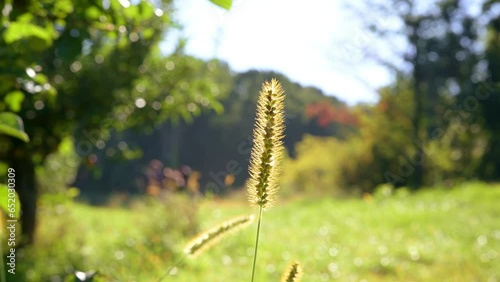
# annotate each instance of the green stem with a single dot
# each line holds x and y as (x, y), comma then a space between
(256, 243)
(177, 262)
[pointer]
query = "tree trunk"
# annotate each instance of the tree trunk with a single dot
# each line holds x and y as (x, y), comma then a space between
(26, 188)
(416, 179)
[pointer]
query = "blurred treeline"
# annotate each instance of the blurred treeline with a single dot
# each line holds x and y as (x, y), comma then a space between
(216, 145)
(108, 112)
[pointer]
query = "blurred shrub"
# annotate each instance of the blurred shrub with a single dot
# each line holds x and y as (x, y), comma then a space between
(456, 155)
(59, 169)
(362, 161)
(319, 165)
(112, 241)
(383, 191)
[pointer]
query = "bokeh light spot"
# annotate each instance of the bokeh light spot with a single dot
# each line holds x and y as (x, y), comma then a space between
(140, 103)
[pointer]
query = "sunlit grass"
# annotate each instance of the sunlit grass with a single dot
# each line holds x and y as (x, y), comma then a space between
(433, 235)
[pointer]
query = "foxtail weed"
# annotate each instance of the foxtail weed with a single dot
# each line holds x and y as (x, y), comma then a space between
(293, 273)
(207, 239)
(267, 150)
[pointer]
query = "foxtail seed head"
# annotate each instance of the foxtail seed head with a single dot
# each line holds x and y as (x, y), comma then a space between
(264, 168)
(210, 237)
(293, 273)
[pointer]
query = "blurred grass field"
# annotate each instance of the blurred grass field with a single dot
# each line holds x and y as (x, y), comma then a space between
(431, 235)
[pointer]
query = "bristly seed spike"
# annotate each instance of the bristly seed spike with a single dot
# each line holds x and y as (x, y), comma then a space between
(267, 150)
(293, 273)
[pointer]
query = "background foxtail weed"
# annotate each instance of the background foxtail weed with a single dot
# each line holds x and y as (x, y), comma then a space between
(208, 238)
(267, 149)
(293, 273)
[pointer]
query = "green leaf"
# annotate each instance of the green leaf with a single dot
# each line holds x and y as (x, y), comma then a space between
(7, 82)
(226, 4)
(146, 9)
(12, 125)
(14, 100)
(40, 79)
(9, 202)
(63, 8)
(131, 12)
(147, 33)
(92, 13)
(217, 106)
(19, 31)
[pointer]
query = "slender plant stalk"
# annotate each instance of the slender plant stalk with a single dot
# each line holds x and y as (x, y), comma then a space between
(177, 262)
(264, 168)
(256, 243)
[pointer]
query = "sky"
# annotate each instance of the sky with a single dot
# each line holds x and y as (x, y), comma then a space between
(315, 43)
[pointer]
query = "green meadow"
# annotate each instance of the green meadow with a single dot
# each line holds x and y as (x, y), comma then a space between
(128, 129)
(431, 235)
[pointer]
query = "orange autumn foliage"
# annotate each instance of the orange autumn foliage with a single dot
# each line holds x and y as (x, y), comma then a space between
(325, 114)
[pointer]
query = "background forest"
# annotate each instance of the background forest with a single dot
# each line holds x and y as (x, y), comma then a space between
(99, 122)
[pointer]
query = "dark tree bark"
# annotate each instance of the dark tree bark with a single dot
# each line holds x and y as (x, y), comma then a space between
(24, 167)
(490, 166)
(416, 179)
